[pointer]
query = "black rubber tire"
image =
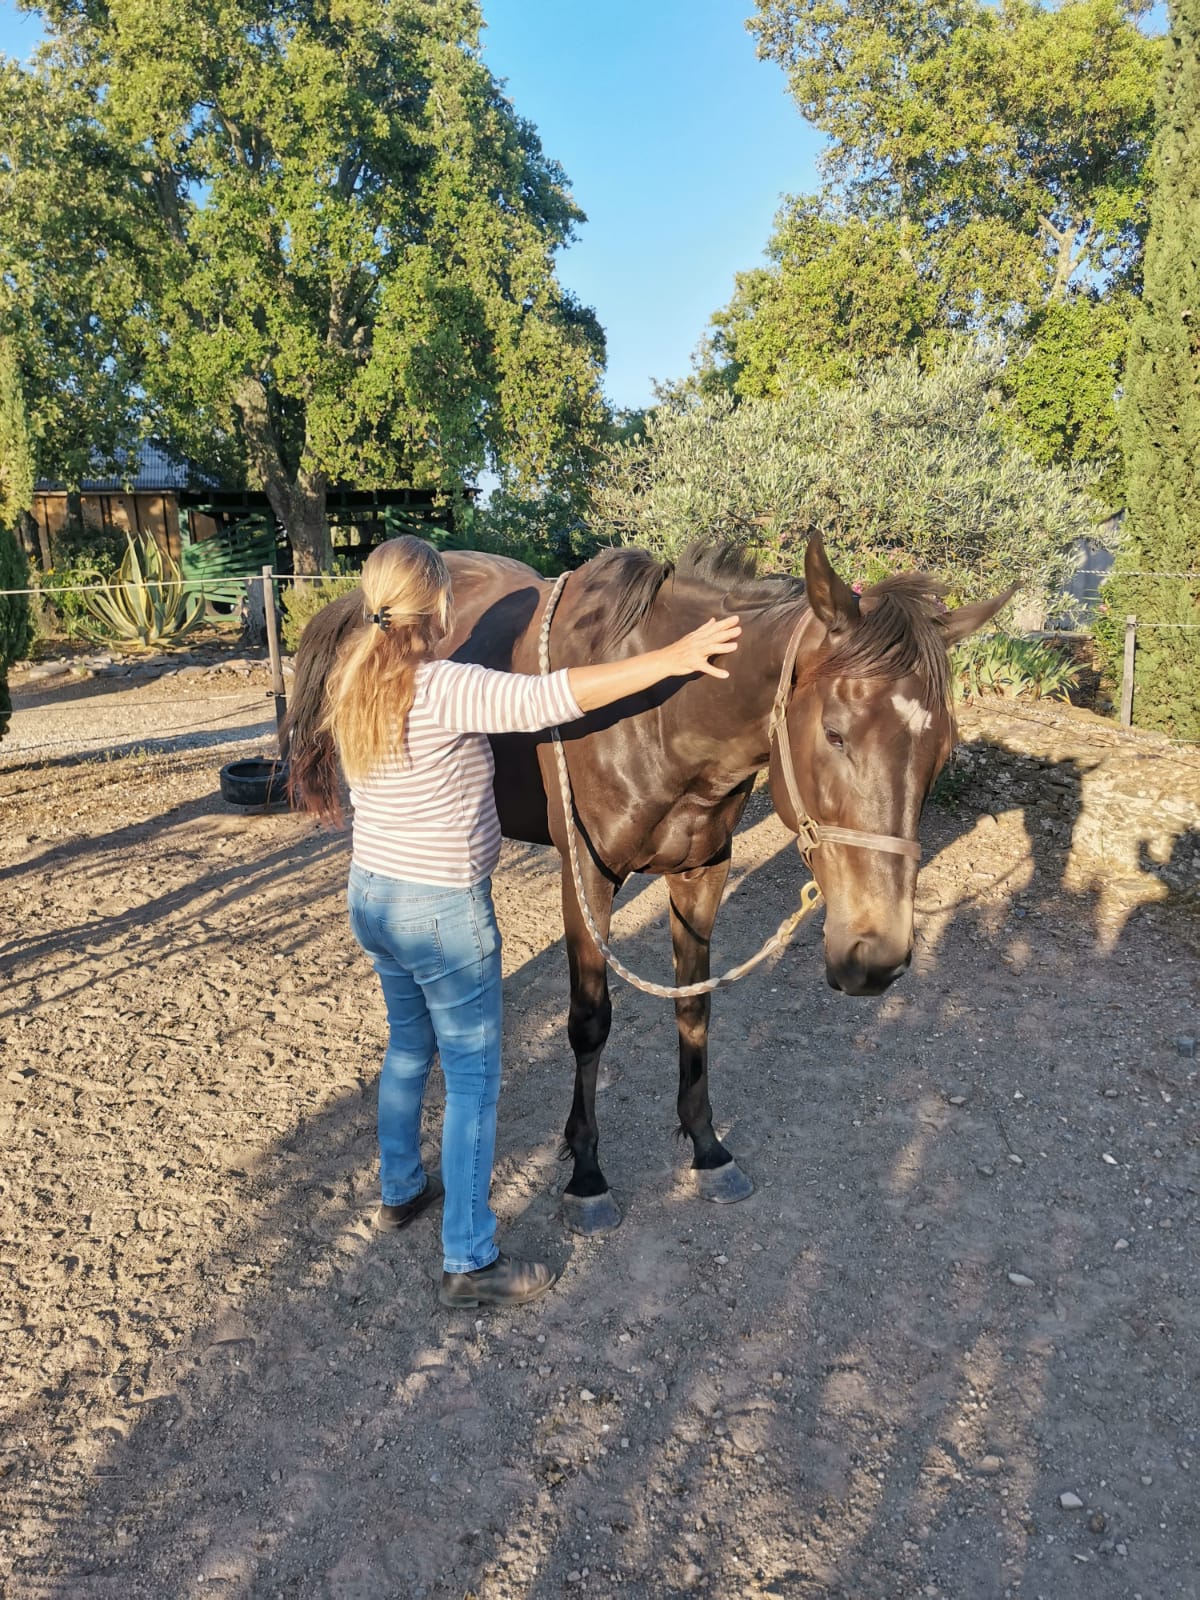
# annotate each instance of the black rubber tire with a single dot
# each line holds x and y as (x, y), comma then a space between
(255, 782)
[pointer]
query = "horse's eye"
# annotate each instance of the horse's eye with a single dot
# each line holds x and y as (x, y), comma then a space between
(835, 738)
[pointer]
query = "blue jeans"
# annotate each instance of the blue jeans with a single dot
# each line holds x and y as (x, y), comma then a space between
(437, 953)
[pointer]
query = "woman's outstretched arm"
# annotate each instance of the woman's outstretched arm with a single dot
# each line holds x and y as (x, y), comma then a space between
(613, 680)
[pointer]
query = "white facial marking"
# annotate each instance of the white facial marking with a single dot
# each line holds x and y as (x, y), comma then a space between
(913, 714)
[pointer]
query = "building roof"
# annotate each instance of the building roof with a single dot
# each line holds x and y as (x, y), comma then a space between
(157, 468)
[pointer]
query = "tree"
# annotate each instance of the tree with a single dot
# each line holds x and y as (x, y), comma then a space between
(1161, 415)
(16, 496)
(351, 264)
(76, 258)
(897, 467)
(985, 165)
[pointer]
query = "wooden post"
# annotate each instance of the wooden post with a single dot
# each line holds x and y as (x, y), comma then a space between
(273, 651)
(1127, 673)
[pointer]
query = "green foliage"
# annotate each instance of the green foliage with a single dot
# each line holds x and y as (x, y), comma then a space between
(16, 627)
(60, 602)
(16, 496)
(900, 468)
(986, 163)
(78, 257)
(16, 447)
(1161, 419)
(304, 597)
(152, 602)
(345, 236)
(1064, 386)
(1005, 664)
(546, 531)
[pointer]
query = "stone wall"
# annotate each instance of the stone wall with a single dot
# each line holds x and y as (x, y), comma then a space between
(1124, 804)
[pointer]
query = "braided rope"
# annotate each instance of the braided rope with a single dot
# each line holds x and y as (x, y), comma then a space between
(810, 895)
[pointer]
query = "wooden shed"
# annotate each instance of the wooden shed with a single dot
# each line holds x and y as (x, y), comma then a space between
(147, 502)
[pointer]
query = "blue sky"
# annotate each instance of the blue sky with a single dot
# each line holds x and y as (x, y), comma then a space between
(678, 144)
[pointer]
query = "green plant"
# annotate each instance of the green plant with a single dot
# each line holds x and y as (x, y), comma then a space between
(16, 629)
(1160, 416)
(1004, 664)
(304, 597)
(62, 608)
(148, 601)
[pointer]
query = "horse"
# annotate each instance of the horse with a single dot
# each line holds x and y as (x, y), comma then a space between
(860, 688)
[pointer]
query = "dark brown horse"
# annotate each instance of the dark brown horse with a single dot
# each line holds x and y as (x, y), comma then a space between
(661, 780)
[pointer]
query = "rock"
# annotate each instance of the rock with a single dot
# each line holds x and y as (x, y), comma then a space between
(1109, 1161)
(1015, 1159)
(586, 1395)
(991, 1465)
(1097, 1522)
(1121, 1244)
(957, 1099)
(1021, 1281)
(1186, 1045)
(1070, 1502)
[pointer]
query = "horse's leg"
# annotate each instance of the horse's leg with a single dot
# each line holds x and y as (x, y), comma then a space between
(695, 899)
(588, 1205)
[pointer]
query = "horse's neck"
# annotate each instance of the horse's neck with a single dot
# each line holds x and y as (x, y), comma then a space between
(778, 640)
(728, 720)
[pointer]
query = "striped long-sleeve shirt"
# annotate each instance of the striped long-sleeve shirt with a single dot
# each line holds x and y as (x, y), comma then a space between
(429, 814)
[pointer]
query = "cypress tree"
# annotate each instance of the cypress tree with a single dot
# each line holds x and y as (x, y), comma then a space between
(1161, 414)
(16, 493)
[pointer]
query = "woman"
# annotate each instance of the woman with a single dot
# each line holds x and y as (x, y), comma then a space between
(411, 735)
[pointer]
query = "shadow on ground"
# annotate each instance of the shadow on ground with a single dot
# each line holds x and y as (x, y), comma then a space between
(876, 1377)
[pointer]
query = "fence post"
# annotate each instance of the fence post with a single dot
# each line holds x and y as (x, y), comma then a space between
(1127, 673)
(273, 652)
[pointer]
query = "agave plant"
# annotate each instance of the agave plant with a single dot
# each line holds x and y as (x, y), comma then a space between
(1002, 663)
(148, 600)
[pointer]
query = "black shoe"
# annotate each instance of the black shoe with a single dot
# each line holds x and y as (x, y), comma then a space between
(389, 1218)
(505, 1283)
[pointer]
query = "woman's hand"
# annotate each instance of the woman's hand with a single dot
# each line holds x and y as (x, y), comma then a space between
(717, 637)
(600, 686)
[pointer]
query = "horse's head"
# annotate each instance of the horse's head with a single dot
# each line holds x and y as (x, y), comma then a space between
(869, 726)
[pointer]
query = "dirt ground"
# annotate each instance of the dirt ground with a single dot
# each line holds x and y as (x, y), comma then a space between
(964, 1289)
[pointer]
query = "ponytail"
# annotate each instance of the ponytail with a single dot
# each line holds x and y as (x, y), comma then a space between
(407, 611)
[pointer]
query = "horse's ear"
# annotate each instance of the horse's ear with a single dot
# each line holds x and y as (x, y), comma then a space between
(832, 600)
(960, 624)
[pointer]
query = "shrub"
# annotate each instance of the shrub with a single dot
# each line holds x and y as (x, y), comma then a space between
(902, 467)
(304, 597)
(16, 628)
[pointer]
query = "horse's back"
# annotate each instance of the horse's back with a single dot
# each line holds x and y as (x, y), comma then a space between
(495, 601)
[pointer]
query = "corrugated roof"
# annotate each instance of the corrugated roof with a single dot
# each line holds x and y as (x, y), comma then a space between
(158, 468)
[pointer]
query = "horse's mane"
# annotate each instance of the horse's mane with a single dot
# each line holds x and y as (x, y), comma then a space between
(898, 633)
(632, 579)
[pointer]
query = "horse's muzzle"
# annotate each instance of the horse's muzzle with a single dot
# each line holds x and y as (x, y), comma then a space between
(856, 973)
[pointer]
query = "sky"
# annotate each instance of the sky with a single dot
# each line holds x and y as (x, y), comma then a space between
(678, 145)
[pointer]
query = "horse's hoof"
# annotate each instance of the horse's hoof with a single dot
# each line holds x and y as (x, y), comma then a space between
(591, 1214)
(722, 1185)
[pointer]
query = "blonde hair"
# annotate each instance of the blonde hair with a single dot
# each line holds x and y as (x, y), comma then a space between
(408, 609)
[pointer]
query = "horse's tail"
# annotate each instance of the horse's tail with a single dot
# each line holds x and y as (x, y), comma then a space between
(313, 780)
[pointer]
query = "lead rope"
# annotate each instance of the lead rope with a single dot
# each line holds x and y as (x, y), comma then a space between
(810, 895)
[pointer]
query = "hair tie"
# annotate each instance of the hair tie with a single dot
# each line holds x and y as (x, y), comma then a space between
(381, 618)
